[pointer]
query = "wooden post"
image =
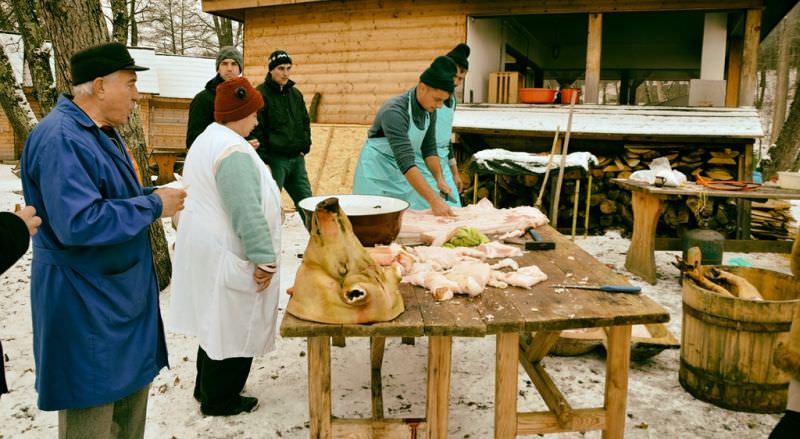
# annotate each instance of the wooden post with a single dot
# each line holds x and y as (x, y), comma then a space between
(734, 75)
(376, 349)
(641, 258)
(594, 45)
(617, 364)
(505, 386)
(319, 387)
(439, 366)
(752, 34)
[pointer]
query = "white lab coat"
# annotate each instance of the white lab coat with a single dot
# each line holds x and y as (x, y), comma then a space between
(213, 293)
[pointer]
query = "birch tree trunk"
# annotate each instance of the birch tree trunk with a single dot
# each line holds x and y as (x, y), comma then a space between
(781, 79)
(37, 53)
(13, 100)
(78, 24)
(785, 155)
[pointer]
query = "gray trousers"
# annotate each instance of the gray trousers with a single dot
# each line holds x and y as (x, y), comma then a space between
(121, 419)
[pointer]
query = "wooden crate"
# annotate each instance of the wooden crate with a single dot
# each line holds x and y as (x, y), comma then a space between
(504, 87)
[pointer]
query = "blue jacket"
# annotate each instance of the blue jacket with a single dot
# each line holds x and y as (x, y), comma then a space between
(97, 331)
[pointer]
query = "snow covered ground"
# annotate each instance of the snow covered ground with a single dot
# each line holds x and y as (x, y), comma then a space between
(658, 407)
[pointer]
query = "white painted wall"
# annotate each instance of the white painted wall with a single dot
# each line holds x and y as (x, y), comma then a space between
(712, 63)
(485, 40)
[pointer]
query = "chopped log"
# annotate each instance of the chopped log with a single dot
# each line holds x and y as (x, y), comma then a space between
(697, 272)
(737, 285)
(608, 206)
(676, 214)
(530, 180)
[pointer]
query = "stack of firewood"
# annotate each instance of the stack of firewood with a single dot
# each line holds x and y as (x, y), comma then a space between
(610, 206)
(772, 220)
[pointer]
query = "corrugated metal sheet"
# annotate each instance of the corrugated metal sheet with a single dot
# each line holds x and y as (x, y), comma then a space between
(610, 120)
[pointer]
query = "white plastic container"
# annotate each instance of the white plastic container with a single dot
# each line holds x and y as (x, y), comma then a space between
(789, 180)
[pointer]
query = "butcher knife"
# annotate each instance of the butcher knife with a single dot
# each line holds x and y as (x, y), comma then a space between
(629, 289)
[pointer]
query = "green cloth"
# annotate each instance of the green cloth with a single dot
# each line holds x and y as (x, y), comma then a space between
(240, 189)
(467, 237)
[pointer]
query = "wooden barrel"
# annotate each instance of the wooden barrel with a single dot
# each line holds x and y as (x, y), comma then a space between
(727, 343)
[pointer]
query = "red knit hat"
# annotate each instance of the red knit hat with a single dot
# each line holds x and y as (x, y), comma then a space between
(236, 99)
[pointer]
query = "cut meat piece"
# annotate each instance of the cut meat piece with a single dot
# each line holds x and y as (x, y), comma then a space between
(471, 277)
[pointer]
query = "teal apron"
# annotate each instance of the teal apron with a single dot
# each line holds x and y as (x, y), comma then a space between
(444, 130)
(377, 172)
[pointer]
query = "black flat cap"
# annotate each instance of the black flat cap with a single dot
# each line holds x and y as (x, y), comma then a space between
(97, 61)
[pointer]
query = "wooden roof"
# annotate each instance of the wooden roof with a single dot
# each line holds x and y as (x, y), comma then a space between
(609, 121)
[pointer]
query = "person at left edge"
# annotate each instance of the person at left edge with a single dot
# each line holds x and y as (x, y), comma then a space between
(98, 338)
(16, 230)
(399, 158)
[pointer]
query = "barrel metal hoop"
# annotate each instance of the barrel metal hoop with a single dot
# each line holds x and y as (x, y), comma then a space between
(714, 378)
(736, 324)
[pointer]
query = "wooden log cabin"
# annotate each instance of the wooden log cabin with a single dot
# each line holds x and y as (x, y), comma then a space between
(358, 53)
(166, 91)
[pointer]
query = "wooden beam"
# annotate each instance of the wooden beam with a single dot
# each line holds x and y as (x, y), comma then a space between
(732, 245)
(440, 357)
(319, 387)
(537, 347)
(505, 387)
(752, 35)
(553, 397)
(376, 349)
(384, 429)
(617, 363)
(545, 422)
(594, 44)
(734, 75)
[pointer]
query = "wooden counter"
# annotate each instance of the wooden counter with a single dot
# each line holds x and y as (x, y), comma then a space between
(526, 324)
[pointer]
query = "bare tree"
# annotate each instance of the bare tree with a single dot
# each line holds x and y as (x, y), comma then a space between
(13, 100)
(37, 53)
(75, 25)
(119, 21)
(785, 155)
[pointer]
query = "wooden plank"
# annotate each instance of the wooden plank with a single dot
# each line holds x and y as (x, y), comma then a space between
(505, 393)
(457, 317)
(537, 347)
(377, 346)
(438, 386)
(319, 387)
(594, 44)
(752, 36)
(408, 324)
(694, 189)
(384, 429)
(291, 326)
(732, 245)
(546, 422)
(616, 396)
(734, 72)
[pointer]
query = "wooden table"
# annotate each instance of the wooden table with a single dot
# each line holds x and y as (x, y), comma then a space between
(526, 323)
(648, 204)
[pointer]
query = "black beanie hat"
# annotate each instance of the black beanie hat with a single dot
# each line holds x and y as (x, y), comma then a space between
(101, 60)
(230, 52)
(440, 74)
(459, 54)
(277, 58)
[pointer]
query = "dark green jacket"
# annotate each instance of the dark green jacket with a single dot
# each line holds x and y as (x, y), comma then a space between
(284, 128)
(201, 110)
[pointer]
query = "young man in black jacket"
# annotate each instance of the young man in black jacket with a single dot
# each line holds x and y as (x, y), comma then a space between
(284, 129)
(201, 110)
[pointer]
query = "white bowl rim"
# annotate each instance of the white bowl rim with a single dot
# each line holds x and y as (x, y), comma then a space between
(386, 204)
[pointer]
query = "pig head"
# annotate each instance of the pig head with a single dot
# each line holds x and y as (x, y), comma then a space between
(338, 281)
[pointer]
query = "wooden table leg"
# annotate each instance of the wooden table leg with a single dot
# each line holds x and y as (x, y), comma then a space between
(440, 358)
(641, 257)
(377, 347)
(319, 387)
(617, 365)
(505, 387)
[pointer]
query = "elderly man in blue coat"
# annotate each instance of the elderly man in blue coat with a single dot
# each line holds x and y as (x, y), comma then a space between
(98, 339)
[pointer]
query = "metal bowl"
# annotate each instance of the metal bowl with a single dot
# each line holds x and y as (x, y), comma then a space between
(376, 219)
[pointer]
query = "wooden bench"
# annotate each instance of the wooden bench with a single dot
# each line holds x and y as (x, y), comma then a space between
(165, 159)
(526, 324)
(648, 204)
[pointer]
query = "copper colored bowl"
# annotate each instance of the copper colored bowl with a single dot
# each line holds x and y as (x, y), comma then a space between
(376, 219)
(537, 95)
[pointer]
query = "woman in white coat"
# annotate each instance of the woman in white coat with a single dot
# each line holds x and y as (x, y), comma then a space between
(225, 271)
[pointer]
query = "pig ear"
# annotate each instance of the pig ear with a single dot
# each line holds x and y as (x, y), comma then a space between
(355, 295)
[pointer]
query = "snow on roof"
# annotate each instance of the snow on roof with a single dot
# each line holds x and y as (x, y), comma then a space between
(169, 76)
(609, 120)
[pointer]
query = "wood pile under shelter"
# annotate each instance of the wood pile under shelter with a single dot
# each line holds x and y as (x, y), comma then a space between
(714, 143)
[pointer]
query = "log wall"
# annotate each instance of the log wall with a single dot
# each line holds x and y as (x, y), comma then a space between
(356, 54)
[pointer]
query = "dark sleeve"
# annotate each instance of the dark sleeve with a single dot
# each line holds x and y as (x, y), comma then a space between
(260, 132)
(14, 239)
(450, 154)
(429, 141)
(201, 115)
(306, 123)
(394, 123)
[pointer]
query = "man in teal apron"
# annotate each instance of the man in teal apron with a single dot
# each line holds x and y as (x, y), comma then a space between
(399, 158)
(444, 127)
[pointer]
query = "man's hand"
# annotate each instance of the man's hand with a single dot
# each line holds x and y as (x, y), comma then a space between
(255, 143)
(444, 187)
(457, 180)
(171, 200)
(28, 214)
(440, 208)
(262, 278)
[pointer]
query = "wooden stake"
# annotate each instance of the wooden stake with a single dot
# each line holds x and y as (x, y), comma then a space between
(557, 195)
(553, 150)
(588, 205)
